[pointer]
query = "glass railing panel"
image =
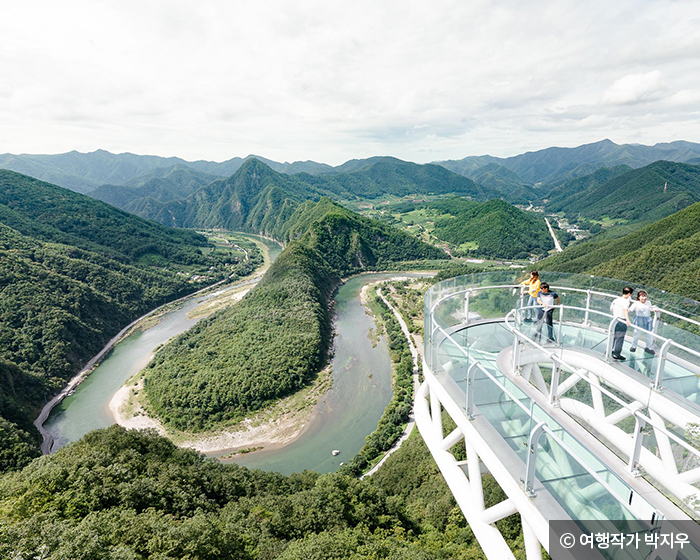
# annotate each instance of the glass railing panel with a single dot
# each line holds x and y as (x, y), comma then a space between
(584, 486)
(509, 416)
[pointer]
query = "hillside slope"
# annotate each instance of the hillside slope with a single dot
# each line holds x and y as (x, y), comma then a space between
(640, 195)
(73, 272)
(665, 254)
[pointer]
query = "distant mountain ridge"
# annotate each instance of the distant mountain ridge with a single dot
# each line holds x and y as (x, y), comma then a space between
(634, 195)
(258, 199)
(552, 164)
(84, 172)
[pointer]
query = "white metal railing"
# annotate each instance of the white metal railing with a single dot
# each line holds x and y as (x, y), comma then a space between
(535, 435)
(667, 343)
(468, 291)
(662, 355)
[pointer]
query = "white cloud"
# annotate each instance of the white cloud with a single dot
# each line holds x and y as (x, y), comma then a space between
(331, 81)
(635, 88)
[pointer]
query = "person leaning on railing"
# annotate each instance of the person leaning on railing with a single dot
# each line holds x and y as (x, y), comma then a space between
(533, 288)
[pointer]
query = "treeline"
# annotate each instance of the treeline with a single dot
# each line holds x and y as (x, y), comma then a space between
(130, 494)
(396, 413)
(276, 338)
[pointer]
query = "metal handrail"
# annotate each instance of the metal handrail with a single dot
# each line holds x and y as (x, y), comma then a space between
(666, 342)
(641, 418)
(535, 435)
(589, 292)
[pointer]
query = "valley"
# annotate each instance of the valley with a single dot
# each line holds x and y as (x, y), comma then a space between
(276, 363)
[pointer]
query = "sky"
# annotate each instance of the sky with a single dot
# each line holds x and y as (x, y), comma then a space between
(332, 81)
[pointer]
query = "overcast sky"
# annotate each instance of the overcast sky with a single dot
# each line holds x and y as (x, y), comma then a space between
(331, 81)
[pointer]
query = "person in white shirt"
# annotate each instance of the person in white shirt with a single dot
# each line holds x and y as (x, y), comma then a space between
(548, 300)
(642, 308)
(620, 309)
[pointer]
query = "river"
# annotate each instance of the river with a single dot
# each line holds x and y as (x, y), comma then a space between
(88, 408)
(361, 388)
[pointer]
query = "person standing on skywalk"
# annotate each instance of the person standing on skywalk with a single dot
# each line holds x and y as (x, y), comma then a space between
(533, 288)
(547, 300)
(620, 310)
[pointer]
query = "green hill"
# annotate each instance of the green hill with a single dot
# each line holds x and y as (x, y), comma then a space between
(665, 254)
(276, 338)
(641, 195)
(491, 229)
(73, 272)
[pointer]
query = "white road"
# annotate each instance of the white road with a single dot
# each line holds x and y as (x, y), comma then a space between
(556, 241)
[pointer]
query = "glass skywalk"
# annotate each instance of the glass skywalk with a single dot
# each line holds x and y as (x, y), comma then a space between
(579, 433)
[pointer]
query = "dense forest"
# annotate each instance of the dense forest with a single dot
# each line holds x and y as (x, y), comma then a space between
(487, 229)
(73, 272)
(639, 195)
(134, 495)
(276, 338)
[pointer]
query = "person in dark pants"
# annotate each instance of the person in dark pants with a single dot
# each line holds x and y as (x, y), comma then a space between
(547, 300)
(620, 309)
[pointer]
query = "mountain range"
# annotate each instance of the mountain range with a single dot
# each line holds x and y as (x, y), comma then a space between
(629, 195)
(510, 178)
(553, 164)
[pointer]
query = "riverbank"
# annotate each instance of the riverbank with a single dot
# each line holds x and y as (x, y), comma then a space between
(143, 323)
(275, 426)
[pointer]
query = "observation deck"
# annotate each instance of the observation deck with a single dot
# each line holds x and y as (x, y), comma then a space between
(567, 432)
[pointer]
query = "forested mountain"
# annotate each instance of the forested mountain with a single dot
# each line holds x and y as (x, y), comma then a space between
(564, 190)
(502, 180)
(554, 164)
(665, 254)
(161, 184)
(258, 199)
(255, 198)
(51, 213)
(640, 195)
(381, 176)
(272, 342)
(73, 272)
